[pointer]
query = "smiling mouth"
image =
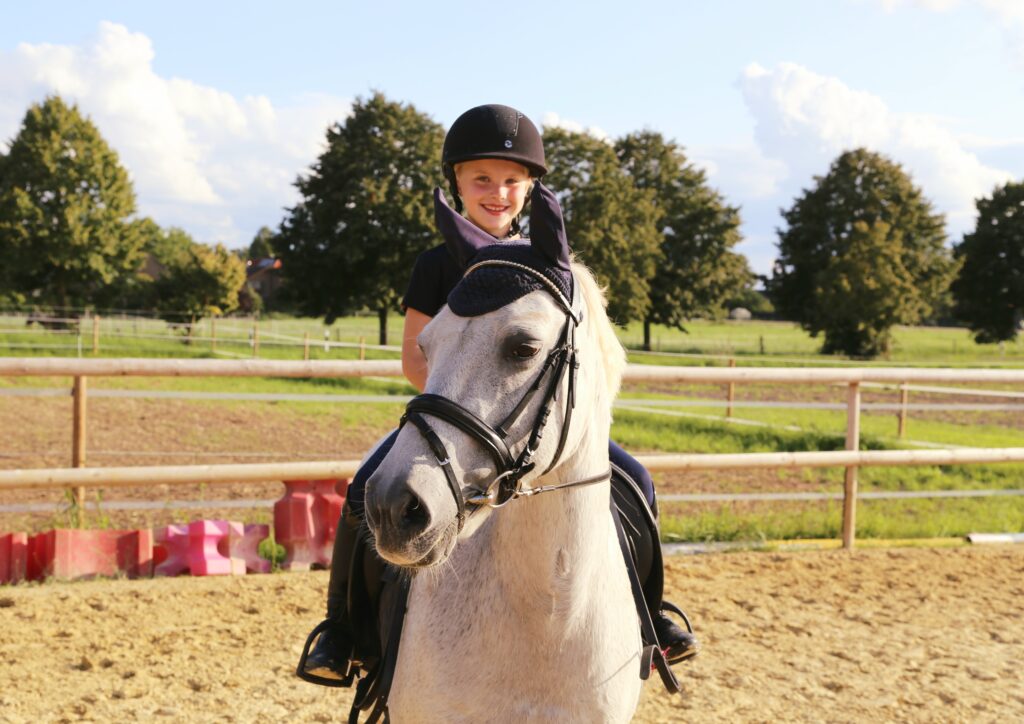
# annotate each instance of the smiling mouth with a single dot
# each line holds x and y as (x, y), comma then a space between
(495, 210)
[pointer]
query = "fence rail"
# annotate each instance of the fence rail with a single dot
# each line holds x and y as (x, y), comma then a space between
(852, 458)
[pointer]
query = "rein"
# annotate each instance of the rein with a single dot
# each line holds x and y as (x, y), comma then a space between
(561, 363)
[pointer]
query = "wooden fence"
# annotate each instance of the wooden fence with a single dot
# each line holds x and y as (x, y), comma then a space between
(852, 458)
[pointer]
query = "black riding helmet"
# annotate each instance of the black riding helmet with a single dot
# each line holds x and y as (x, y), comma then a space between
(492, 131)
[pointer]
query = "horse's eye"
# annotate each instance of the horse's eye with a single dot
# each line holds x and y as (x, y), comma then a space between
(526, 350)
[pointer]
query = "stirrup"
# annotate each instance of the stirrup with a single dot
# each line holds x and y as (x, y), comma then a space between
(343, 680)
(688, 652)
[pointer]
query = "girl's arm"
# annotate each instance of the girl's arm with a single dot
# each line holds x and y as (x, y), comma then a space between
(414, 364)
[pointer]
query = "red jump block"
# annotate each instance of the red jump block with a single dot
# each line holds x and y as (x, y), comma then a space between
(13, 557)
(77, 554)
(306, 520)
(210, 548)
(170, 550)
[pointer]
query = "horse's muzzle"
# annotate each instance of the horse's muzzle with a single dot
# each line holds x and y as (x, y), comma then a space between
(402, 525)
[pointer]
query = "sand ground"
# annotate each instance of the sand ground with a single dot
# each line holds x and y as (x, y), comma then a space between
(918, 635)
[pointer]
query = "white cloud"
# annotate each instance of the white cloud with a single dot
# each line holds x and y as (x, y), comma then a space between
(1009, 14)
(740, 171)
(805, 120)
(217, 165)
(554, 120)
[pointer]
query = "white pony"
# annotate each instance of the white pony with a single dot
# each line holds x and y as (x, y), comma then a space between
(526, 613)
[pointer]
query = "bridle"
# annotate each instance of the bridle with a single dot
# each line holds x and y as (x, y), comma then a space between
(510, 469)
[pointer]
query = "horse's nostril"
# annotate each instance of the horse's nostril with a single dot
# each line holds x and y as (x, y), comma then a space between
(414, 515)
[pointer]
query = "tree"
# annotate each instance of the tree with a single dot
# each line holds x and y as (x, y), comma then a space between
(262, 246)
(366, 212)
(612, 224)
(184, 281)
(696, 271)
(870, 271)
(65, 208)
(989, 290)
(822, 231)
(198, 280)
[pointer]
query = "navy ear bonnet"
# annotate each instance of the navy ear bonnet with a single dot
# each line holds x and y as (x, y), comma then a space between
(491, 287)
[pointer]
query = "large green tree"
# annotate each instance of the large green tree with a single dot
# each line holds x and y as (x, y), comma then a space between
(612, 224)
(822, 261)
(65, 211)
(989, 290)
(697, 271)
(366, 212)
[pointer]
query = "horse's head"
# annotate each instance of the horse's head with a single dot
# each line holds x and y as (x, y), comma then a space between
(503, 333)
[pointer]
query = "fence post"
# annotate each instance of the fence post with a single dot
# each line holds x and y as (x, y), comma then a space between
(731, 393)
(362, 348)
(305, 346)
(904, 397)
(78, 442)
(850, 487)
(95, 334)
(255, 338)
(213, 334)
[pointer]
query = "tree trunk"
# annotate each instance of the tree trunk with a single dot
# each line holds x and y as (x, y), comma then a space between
(647, 334)
(382, 315)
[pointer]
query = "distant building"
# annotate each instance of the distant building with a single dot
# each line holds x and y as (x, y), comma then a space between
(264, 275)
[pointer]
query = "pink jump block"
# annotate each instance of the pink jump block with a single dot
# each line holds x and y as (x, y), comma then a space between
(13, 557)
(210, 548)
(78, 554)
(306, 520)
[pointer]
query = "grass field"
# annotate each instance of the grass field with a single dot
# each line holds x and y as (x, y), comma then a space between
(690, 429)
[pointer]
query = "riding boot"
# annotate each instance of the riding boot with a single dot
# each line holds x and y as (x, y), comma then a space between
(328, 661)
(641, 527)
(678, 643)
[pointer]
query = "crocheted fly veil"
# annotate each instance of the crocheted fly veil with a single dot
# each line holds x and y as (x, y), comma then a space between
(491, 287)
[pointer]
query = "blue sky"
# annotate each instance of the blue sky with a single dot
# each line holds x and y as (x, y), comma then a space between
(215, 108)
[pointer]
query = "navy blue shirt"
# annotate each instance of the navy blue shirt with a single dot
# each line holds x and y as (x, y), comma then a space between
(434, 275)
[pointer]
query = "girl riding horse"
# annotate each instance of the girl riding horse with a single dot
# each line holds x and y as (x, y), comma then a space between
(491, 158)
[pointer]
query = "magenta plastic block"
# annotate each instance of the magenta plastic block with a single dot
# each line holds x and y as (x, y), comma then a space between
(77, 554)
(171, 550)
(13, 557)
(208, 548)
(245, 547)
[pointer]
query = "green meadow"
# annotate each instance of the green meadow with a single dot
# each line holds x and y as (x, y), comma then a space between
(692, 428)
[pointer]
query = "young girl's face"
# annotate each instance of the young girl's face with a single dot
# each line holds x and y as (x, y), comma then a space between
(493, 192)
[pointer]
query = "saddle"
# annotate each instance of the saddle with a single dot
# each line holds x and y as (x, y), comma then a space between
(378, 596)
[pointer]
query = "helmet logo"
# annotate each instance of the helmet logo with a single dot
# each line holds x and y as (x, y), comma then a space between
(508, 143)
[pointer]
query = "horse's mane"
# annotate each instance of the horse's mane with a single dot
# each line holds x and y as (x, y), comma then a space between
(611, 351)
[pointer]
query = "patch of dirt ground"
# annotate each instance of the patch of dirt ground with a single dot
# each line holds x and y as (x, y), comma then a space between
(910, 635)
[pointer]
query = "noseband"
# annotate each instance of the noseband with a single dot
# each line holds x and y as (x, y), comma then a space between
(510, 469)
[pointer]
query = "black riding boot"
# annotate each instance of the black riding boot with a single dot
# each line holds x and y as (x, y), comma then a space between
(328, 662)
(641, 526)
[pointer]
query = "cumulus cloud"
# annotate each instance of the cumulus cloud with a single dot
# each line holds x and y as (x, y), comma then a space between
(740, 171)
(1009, 14)
(203, 159)
(805, 120)
(554, 120)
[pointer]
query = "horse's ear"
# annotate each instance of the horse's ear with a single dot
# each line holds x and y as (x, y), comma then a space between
(547, 227)
(462, 237)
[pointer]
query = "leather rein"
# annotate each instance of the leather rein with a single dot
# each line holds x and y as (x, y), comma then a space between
(561, 363)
